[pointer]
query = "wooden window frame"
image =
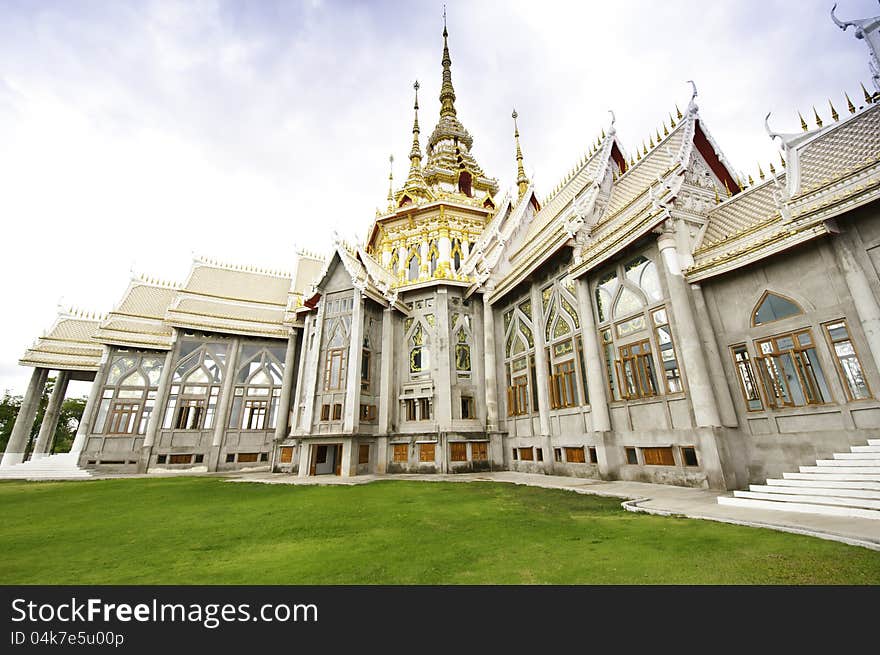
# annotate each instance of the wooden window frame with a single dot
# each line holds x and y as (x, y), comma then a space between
(844, 379)
(744, 365)
(527, 450)
(362, 458)
(468, 407)
(261, 414)
(424, 450)
(800, 362)
(337, 411)
(575, 455)
(325, 412)
(400, 453)
(675, 357)
(635, 451)
(184, 407)
(332, 354)
(458, 451)
(642, 367)
(131, 410)
(684, 463)
(658, 456)
(563, 385)
(479, 451)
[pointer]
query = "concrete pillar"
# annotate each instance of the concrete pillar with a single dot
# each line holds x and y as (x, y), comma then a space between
(541, 367)
(490, 368)
(381, 455)
(442, 362)
(85, 423)
(349, 455)
(158, 412)
(305, 458)
(21, 431)
(402, 257)
(300, 374)
(314, 360)
(596, 387)
(43, 446)
(689, 347)
(386, 375)
(860, 291)
(221, 416)
(713, 354)
(351, 411)
(444, 248)
(282, 420)
(424, 264)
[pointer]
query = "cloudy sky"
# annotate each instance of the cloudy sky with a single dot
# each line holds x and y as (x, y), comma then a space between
(134, 134)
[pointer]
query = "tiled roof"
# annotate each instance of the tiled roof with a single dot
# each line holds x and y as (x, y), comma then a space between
(67, 345)
(744, 212)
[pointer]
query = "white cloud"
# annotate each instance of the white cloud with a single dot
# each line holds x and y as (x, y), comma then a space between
(133, 134)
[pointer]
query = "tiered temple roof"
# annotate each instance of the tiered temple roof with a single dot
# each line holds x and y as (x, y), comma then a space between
(68, 344)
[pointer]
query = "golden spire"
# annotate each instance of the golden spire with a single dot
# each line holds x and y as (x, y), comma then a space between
(782, 160)
(834, 115)
(522, 182)
(803, 123)
(678, 112)
(650, 142)
(865, 92)
(658, 136)
(671, 120)
(760, 171)
(849, 104)
(390, 180)
(415, 154)
(665, 130)
(727, 188)
(772, 169)
(816, 116)
(751, 181)
(447, 93)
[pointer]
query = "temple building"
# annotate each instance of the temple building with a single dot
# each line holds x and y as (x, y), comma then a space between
(656, 318)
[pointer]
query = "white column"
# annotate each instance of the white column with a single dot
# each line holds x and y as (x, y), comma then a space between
(386, 374)
(490, 366)
(690, 349)
(282, 420)
(596, 387)
(50, 418)
(27, 412)
(444, 248)
(351, 415)
(716, 367)
(158, 412)
(300, 374)
(442, 362)
(85, 423)
(314, 360)
(862, 295)
(541, 365)
(221, 417)
(425, 265)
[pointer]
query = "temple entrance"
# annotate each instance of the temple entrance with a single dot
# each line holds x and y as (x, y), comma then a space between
(326, 459)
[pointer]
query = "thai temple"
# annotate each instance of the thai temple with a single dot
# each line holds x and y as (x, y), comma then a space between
(656, 317)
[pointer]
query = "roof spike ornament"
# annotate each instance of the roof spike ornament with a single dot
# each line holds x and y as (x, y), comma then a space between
(447, 93)
(522, 182)
(849, 104)
(816, 117)
(678, 112)
(834, 115)
(804, 126)
(665, 130)
(671, 120)
(727, 188)
(760, 171)
(650, 141)
(772, 169)
(782, 160)
(390, 180)
(866, 94)
(751, 181)
(658, 136)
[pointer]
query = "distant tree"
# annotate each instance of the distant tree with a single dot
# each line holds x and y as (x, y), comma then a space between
(71, 414)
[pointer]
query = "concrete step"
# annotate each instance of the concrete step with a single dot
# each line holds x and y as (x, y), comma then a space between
(874, 442)
(825, 484)
(861, 470)
(804, 508)
(53, 467)
(856, 456)
(863, 503)
(835, 475)
(816, 491)
(873, 461)
(865, 449)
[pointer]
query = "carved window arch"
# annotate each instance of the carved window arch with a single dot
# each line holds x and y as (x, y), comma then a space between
(336, 357)
(418, 333)
(774, 307)
(457, 254)
(433, 257)
(257, 388)
(195, 385)
(395, 261)
(413, 264)
(129, 394)
(564, 345)
(521, 375)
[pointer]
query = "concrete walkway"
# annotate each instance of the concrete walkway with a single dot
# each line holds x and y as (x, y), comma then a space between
(665, 500)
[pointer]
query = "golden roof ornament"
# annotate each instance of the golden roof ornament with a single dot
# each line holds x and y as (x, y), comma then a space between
(866, 94)
(760, 171)
(849, 104)
(782, 160)
(834, 115)
(678, 112)
(804, 126)
(447, 93)
(390, 181)
(522, 182)
(816, 117)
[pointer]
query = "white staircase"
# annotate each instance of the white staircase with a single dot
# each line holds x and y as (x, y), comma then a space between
(848, 485)
(62, 466)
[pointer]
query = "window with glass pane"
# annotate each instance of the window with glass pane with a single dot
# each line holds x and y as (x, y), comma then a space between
(365, 370)
(333, 372)
(773, 307)
(129, 394)
(747, 383)
(667, 351)
(195, 387)
(637, 370)
(790, 371)
(848, 365)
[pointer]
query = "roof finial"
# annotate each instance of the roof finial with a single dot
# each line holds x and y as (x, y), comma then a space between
(390, 179)
(415, 154)
(834, 115)
(522, 182)
(447, 93)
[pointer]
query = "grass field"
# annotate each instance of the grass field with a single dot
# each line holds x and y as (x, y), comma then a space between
(208, 531)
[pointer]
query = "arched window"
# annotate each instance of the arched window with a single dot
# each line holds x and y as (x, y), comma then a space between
(464, 183)
(433, 256)
(520, 360)
(773, 307)
(413, 264)
(418, 351)
(195, 385)
(395, 261)
(129, 393)
(564, 345)
(258, 388)
(456, 254)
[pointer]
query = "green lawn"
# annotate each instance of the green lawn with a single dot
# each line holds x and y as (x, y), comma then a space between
(208, 531)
